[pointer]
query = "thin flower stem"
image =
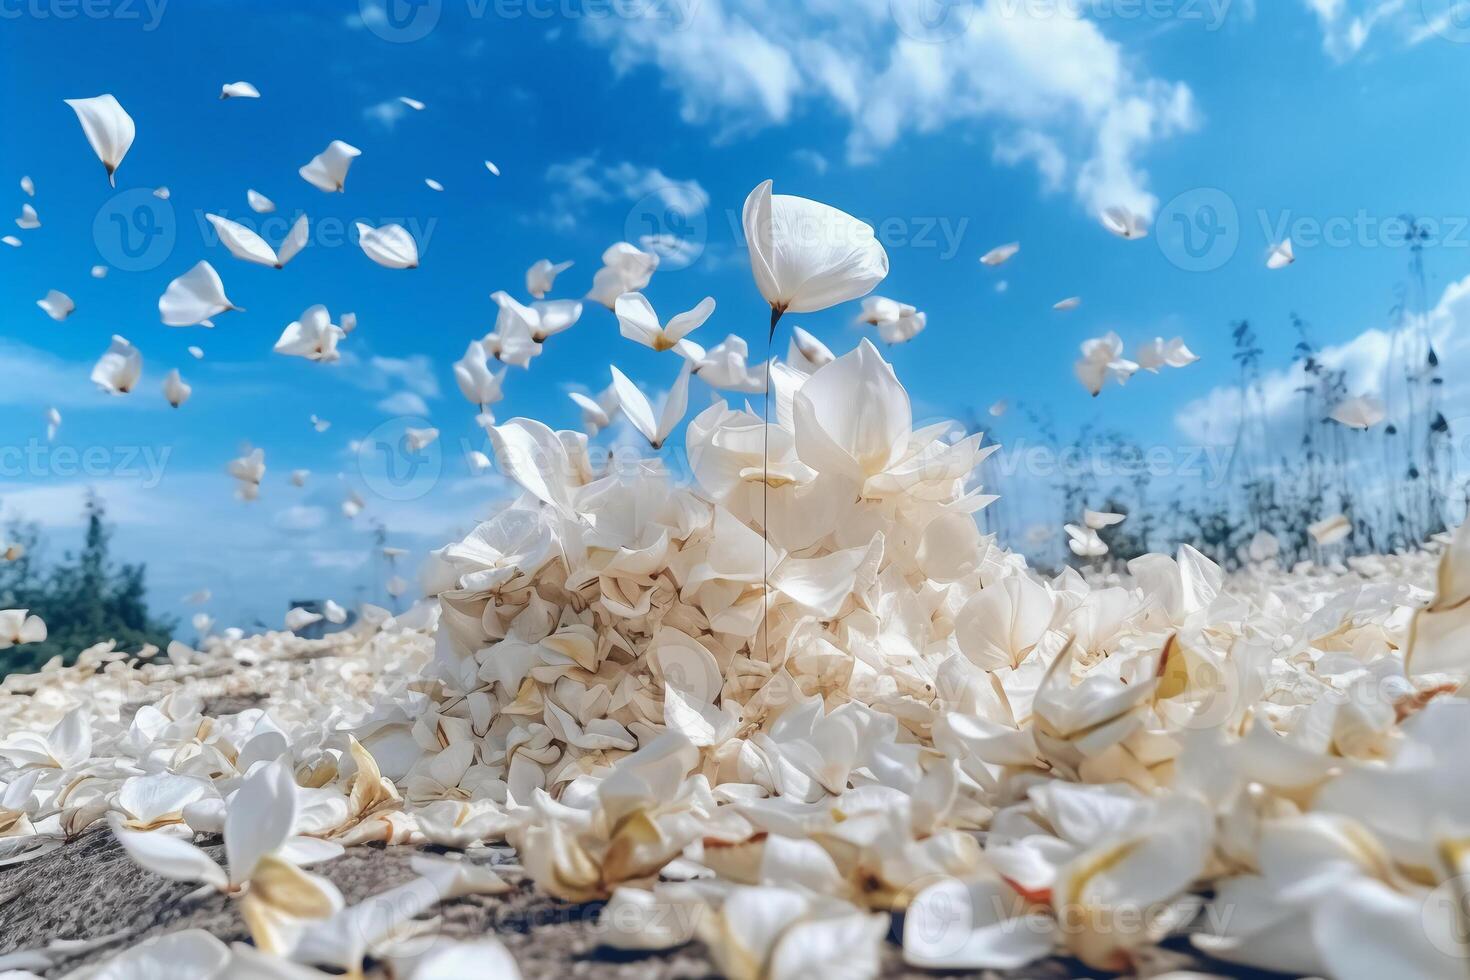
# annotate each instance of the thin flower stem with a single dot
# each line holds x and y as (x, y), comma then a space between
(776, 313)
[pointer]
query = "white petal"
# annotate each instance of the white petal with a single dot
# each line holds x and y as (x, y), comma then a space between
(108, 128)
(1000, 254)
(808, 256)
(261, 815)
(327, 170)
(175, 389)
(975, 925)
(170, 857)
(58, 305)
(390, 246)
(294, 241)
(194, 297)
(192, 954)
(242, 242)
(117, 371)
(239, 90)
(1281, 255)
(635, 405)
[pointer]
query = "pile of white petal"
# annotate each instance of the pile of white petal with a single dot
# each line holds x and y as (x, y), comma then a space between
(798, 709)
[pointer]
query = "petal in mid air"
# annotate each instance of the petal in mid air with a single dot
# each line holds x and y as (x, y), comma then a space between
(1158, 352)
(625, 269)
(1102, 358)
(57, 305)
(1362, 412)
(1125, 223)
(1084, 542)
(639, 411)
(245, 244)
(239, 90)
(391, 246)
(327, 170)
(194, 298)
(1000, 255)
(638, 322)
(175, 389)
(117, 371)
(1097, 520)
(1281, 255)
(259, 203)
(541, 276)
(476, 381)
(313, 337)
(108, 128)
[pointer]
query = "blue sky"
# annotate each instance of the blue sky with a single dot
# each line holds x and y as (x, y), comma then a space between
(1003, 120)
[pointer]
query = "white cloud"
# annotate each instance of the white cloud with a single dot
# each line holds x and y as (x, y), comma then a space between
(386, 113)
(36, 379)
(257, 558)
(404, 403)
(812, 159)
(299, 517)
(415, 372)
(1348, 25)
(583, 182)
(1368, 363)
(1085, 113)
(369, 14)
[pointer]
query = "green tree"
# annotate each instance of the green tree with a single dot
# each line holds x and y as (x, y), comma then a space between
(85, 598)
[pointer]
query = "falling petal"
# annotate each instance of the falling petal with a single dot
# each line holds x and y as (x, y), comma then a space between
(391, 246)
(239, 90)
(327, 170)
(259, 203)
(108, 128)
(57, 305)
